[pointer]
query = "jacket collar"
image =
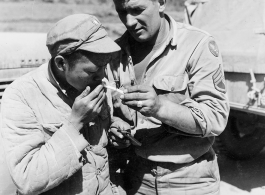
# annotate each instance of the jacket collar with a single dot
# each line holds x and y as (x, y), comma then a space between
(53, 79)
(173, 30)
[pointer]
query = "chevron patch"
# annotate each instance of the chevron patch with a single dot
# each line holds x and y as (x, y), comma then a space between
(219, 80)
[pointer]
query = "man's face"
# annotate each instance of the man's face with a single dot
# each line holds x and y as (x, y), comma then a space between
(87, 70)
(141, 18)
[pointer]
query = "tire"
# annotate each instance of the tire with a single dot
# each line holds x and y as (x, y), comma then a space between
(241, 147)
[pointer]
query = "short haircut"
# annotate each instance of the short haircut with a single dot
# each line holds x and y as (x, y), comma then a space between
(72, 58)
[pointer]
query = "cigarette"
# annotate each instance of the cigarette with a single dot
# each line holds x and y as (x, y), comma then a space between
(105, 83)
(114, 89)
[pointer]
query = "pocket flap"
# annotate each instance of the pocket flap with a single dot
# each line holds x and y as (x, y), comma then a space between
(172, 83)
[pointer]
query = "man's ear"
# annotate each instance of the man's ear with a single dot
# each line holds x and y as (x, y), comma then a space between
(59, 62)
(162, 5)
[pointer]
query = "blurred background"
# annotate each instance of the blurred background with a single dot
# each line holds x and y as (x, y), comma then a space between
(39, 15)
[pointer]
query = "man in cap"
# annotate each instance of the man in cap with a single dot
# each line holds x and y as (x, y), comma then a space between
(55, 118)
(174, 101)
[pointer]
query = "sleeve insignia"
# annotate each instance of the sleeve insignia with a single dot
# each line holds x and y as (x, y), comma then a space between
(219, 80)
(213, 48)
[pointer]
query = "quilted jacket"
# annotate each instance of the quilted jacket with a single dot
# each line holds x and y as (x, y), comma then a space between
(42, 158)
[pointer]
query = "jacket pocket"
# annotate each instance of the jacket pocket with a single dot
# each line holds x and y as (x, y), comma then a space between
(174, 88)
(171, 83)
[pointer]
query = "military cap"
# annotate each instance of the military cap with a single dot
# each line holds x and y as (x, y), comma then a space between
(79, 32)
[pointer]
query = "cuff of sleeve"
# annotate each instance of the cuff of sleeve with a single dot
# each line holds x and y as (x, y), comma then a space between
(78, 154)
(197, 114)
(77, 139)
(199, 117)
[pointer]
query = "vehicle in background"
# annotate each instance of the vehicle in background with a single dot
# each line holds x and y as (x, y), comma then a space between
(20, 53)
(239, 30)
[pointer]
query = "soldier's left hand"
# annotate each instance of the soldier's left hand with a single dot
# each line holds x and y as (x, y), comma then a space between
(141, 98)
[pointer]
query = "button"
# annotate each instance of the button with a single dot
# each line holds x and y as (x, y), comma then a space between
(172, 88)
(98, 172)
(154, 172)
(95, 22)
(89, 148)
(82, 159)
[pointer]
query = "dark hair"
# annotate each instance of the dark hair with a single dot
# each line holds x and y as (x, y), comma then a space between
(71, 58)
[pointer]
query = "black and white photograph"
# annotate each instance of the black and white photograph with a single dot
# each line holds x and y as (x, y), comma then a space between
(132, 97)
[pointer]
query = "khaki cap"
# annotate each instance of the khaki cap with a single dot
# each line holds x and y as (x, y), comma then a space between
(79, 32)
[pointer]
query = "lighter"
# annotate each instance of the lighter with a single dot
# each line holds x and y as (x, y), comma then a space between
(128, 135)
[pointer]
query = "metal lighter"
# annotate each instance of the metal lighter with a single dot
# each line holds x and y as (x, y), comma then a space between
(128, 135)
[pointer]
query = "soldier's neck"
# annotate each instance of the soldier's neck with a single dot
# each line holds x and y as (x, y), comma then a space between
(140, 50)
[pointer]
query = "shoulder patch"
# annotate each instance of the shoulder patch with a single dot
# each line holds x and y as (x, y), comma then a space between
(213, 48)
(219, 80)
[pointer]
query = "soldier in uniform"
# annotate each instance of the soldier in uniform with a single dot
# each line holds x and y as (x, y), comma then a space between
(174, 101)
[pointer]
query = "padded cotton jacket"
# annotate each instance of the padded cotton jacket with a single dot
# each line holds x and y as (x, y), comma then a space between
(41, 156)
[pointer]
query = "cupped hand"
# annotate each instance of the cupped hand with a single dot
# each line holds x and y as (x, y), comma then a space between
(87, 106)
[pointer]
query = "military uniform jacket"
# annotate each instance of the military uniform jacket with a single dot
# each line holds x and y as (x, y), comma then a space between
(187, 70)
(41, 156)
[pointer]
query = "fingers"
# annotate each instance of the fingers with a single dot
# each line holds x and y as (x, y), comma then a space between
(84, 93)
(90, 95)
(120, 145)
(95, 93)
(137, 88)
(93, 101)
(100, 97)
(116, 133)
(135, 103)
(99, 101)
(97, 90)
(137, 92)
(95, 96)
(88, 105)
(134, 96)
(117, 139)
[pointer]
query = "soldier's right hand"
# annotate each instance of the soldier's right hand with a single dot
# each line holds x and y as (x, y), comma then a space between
(87, 106)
